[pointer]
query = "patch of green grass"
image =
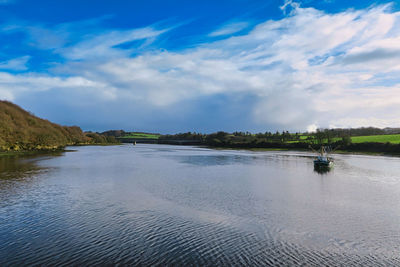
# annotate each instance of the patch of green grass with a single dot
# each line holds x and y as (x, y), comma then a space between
(142, 136)
(303, 137)
(391, 138)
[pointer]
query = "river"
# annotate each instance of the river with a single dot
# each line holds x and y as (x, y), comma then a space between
(181, 205)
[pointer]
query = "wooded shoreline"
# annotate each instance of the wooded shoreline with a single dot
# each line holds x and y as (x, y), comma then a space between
(363, 148)
(23, 133)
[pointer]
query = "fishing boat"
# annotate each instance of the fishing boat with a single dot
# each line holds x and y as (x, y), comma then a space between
(322, 160)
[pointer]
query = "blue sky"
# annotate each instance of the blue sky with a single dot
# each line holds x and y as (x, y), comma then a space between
(174, 66)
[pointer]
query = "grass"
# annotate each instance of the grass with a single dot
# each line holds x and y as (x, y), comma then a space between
(142, 136)
(391, 138)
(385, 138)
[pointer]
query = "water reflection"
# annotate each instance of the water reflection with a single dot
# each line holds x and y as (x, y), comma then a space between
(322, 169)
(19, 173)
(172, 205)
(16, 168)
(20, 167)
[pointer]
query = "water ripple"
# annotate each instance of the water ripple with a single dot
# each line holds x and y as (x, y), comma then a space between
(189, 207)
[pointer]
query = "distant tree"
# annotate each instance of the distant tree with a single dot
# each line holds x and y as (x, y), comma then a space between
(346, 140)
(111, 139)
(319, 136)
(328, 135)
(116, 133)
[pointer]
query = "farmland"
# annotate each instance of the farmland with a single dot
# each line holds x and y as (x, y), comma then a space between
(254, 140)
(385, 138)
(137, 135)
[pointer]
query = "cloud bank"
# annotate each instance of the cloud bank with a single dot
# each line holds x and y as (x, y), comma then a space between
(309, 69)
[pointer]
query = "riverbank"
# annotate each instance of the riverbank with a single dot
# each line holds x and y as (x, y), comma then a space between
(367, 148)
(371, 141)
(375, 149)
(348, 152)
(241, 147)
(341, 152)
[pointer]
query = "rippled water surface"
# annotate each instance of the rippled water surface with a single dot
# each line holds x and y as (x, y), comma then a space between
(174, 205)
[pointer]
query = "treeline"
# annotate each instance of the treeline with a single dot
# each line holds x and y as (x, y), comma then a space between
(114, 133)
(226, 139)
(286, 140)
(329, 136)
(363, 131)
(21, 130)
(236, 136)
(184, 136)
(243, 140)
(99, 138)
(321, 136)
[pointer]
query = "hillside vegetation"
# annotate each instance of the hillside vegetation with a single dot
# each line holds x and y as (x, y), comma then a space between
(137, 135)
(386, 138)
(353, 140)
(129, 136)
(21, 130)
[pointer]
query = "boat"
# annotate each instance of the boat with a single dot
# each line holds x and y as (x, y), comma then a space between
(323, 161)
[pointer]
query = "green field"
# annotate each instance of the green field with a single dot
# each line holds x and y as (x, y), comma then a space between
(141, 136)
(303, 137)
(391, 138)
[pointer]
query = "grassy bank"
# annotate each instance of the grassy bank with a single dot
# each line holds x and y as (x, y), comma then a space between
(387, 144)
(136, 135)
(385, 138)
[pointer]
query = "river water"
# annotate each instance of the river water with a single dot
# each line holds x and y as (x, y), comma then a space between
(178, 205)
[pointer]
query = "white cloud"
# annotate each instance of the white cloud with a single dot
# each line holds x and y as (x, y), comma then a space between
(13, 86)
(312, 128)
(310, 69)
(229, 28)
(17, 64)
(289, 4)
(103, 45)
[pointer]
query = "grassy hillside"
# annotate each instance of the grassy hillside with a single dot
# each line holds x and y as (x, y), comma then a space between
(385, 138)
(382, 138)
(137, 135)
(21, 130)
